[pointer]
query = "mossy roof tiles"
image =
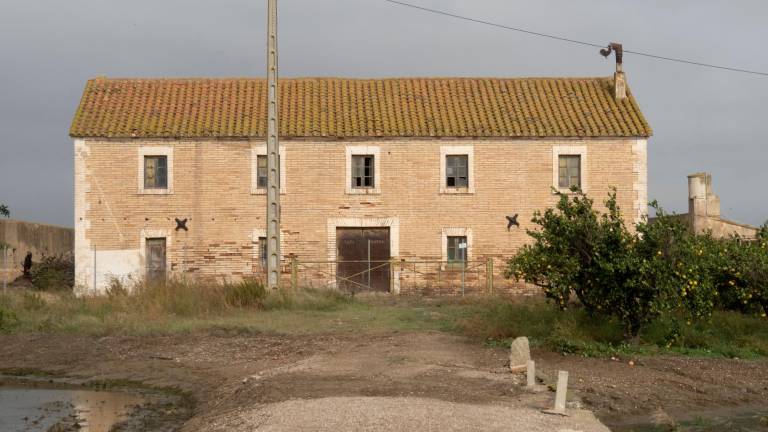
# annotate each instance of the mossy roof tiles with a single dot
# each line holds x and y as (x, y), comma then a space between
(358, 108)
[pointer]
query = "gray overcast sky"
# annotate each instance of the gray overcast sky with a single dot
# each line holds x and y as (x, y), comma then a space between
(704, 120)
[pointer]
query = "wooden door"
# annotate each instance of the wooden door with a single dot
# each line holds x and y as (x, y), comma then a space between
(156, 254)
(363, 255)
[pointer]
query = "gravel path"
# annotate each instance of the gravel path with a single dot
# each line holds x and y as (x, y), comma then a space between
(402, 414)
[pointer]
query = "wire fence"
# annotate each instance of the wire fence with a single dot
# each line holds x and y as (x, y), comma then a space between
(414, 277)
(426, 278)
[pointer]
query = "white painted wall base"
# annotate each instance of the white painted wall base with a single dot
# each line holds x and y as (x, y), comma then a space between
(120, 265)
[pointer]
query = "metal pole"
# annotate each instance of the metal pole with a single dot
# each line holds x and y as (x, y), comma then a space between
(489, 276)
(273, 153)
(5, 268)
(463, 266)
(94, 269)
(369, 264)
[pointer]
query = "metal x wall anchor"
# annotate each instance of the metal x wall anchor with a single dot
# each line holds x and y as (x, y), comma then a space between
(512, 221)
(181, 224)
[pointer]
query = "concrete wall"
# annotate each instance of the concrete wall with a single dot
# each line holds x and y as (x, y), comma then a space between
(40, 239)
(211, 184)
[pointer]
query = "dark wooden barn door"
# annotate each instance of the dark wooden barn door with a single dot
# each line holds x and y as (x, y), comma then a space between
(352, 247)
(156, 254)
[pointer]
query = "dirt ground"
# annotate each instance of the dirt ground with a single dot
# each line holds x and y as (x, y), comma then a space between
(227, 375)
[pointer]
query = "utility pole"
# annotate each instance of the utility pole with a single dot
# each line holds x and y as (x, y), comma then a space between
(273, 153)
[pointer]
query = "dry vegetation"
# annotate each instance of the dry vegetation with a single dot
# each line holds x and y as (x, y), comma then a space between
(246, 307)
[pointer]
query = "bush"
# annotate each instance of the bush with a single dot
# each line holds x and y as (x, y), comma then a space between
(635, 277)
(53, 273)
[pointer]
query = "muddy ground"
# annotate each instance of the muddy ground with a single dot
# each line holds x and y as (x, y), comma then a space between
(226, 374)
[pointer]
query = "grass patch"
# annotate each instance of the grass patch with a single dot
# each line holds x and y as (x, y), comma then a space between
(247, 308)
(573, 331)
(168, 308)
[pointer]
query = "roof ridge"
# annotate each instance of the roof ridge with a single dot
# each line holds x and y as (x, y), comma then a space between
(340, 78)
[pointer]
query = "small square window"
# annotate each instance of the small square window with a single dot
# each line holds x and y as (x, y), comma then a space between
(569, 171)
(263, 252)
(155, 172)
(456, 171)
(362, 172)
(457, 249)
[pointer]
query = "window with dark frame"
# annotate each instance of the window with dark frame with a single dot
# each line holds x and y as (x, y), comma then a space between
(456, 253)
(569, 171)
(362, 172)
(155, 172)
(263, 251)
(457, 171)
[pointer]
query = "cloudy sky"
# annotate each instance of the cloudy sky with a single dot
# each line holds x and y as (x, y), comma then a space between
(704, 119)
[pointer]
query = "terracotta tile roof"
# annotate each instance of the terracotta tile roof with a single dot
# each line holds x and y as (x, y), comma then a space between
(350, 108)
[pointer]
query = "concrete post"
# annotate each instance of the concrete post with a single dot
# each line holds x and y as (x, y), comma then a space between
(562, 391)
(531, 372)
(273, 153)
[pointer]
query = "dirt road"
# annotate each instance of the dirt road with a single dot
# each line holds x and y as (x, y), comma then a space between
(238, 381)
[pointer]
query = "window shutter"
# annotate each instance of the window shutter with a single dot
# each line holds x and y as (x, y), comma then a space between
(162, 172)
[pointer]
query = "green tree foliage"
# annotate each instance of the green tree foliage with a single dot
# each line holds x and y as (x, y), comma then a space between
(740, 273)
(4, 210)
(635, 276)
(762, 233)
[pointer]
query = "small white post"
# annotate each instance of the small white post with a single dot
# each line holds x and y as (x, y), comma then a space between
(531, 369)
(562, 390)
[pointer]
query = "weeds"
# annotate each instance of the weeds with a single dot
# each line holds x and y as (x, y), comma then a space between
(247, 308)
(8, 320)
(575, 331)
(139, 308)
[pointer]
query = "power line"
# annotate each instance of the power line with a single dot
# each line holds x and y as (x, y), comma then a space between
(573, 41)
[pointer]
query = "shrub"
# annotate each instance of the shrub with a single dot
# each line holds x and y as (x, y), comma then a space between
(635, 277)
(53, 273)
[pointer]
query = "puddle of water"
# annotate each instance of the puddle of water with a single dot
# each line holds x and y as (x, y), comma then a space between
(38, 409)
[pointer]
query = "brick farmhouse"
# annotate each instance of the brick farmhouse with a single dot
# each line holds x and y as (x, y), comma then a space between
(170, 173)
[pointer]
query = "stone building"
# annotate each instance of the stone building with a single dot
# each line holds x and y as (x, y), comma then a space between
(415, 169)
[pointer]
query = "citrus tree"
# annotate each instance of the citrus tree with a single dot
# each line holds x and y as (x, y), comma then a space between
(635, 276)
(741, 274)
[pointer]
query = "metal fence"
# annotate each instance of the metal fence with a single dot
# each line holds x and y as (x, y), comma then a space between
(428, 278)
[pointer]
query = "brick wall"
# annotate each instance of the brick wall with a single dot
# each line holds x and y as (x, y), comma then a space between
(212, 188)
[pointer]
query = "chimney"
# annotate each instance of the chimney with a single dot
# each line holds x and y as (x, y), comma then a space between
(619, 79)
(703, 204)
